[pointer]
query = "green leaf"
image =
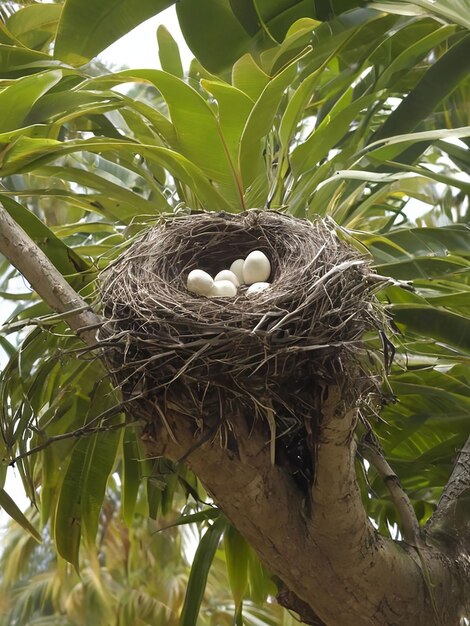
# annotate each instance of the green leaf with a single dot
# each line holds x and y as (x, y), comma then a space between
(197, 131)
(15, 60)
(260, 582)
(68, 517)
(247, 76)
(191, 518)
(455, 11)
(34, 25)
(429, 321)
(237, 554)
(131, 475)
(17, 100)
(12, 509)
(87, 27)
(82, 492)
(199, 571)
(412, 54)
(437, 83)
(99, 463)
(169, 53)
(212, 31)
(330, 131)
(234, 108)
(410, 242)
(26, 154)
(259, 123)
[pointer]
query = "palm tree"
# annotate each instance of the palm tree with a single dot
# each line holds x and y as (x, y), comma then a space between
(360, 118)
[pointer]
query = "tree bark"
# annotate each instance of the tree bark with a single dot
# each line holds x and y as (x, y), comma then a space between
(325, 551)
(45, 279)
(335, 568)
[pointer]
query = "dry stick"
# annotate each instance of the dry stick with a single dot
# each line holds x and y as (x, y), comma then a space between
(45, 279)
(409, 521)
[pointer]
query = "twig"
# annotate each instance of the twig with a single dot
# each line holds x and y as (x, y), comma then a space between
(84, 431)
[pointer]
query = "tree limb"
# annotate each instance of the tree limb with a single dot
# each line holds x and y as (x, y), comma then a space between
(325, 550)
(409, 521)
(450, 523)
(45, 279)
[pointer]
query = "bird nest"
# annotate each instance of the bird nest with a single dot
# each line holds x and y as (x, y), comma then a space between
(268, 358)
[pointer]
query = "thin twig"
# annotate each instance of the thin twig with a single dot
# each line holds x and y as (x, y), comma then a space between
(85, 431)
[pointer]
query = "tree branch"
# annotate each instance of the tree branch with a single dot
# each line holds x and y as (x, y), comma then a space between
(450, 523)
(409, 522)
(45, 279)
(325, 550)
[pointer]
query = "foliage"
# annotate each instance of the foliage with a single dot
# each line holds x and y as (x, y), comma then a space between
(136, 574)
(362, 118)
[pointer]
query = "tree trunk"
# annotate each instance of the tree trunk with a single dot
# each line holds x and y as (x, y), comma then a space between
(335, 568)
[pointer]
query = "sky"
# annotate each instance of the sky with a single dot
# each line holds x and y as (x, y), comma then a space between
(138, 49)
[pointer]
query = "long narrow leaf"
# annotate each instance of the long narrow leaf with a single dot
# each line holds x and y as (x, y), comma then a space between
(199, 571)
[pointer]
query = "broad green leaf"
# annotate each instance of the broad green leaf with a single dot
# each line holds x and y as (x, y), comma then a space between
(18, 99)
(424, 267)
(169, 53)
(408, 243)
(196, 127)
(16, 61)
(259, 123)
(62, 106)
(199, 571)
(397, 143)
(260, 582)
(99, 463)
(191, 518)
(11, 508)
(412, 54)
(102, 184)
(249, 77)
(26, 154)
(295, 109)
(35, 24)
(82, 492)
(233, 109)
(212, 31)
(87, 27)
(436, 323)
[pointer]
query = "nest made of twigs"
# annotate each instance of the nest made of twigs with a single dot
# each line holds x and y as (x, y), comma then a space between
(271, 356)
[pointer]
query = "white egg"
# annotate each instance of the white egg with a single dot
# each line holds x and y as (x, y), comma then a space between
(257, 288)
(256, 268)
(237, 269)
(227, 275)
(199, 282)
(223, 289)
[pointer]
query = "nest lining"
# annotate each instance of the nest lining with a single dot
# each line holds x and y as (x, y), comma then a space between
(272, 355)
